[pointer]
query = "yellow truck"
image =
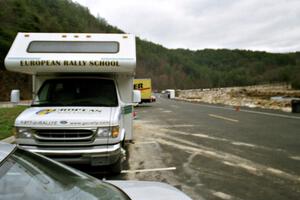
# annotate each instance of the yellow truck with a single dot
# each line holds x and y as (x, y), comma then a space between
(144, 85)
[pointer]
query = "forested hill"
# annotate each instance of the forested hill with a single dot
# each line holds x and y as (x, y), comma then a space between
(168, 68)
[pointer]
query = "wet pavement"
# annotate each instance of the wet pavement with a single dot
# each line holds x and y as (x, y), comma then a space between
(215, 152)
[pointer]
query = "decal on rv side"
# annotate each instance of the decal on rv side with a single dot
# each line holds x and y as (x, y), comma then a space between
(45, 111)
(68, 110)
(39, 123)
(52, 123)
(100, 63)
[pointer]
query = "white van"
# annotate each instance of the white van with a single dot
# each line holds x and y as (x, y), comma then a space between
(82, 87)
(171, 93)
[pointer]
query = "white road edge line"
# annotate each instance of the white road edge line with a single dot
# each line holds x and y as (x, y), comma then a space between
(148, 170)
(146, 142)
(222, 195)
(225, 118)
(251, 111)
(270, 114)
(295, 157)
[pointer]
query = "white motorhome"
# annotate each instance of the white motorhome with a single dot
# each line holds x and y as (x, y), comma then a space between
(82, 86)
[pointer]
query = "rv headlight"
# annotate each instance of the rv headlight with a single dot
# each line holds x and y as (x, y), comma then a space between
(23, 133)
(108, 132)
(103, 132)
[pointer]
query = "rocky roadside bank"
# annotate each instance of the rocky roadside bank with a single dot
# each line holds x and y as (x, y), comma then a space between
(276, 97)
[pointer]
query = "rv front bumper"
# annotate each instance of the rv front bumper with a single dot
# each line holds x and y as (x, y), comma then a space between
(95, 155)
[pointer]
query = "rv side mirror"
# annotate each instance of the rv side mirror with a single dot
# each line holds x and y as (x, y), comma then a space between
(137, 96)
(15, 96)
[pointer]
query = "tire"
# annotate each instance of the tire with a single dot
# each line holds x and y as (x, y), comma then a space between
(116, 168)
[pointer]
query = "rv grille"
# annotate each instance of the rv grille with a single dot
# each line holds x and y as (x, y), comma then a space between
(64, 135)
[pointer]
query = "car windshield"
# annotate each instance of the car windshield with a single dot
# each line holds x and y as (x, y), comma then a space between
(77, 92)
(24, 175)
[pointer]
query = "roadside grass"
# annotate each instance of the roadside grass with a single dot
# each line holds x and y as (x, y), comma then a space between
(7, 119)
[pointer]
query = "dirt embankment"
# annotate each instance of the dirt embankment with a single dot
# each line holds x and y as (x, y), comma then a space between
(262, 96)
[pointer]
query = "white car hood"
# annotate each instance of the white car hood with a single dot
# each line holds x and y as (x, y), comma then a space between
(67, 117)
(145, 190)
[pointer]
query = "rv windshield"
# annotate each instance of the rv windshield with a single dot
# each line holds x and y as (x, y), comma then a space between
(77, 92)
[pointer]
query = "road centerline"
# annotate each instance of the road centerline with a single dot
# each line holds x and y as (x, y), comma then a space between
(224, 118)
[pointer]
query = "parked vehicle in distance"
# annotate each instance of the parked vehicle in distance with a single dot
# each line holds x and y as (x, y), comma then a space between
(83, 95)
(170, 93)
(28, 176)
(145, 86)
(153, 98)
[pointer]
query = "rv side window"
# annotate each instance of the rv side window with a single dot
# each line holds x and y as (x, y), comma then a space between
(73, 47)
(77, 92)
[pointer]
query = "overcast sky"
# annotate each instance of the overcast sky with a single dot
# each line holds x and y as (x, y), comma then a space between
(268, 25)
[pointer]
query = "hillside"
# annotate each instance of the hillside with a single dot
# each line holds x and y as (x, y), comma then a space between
(168, 68)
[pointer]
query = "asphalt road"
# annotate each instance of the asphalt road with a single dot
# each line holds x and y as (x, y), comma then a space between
(216, 152)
